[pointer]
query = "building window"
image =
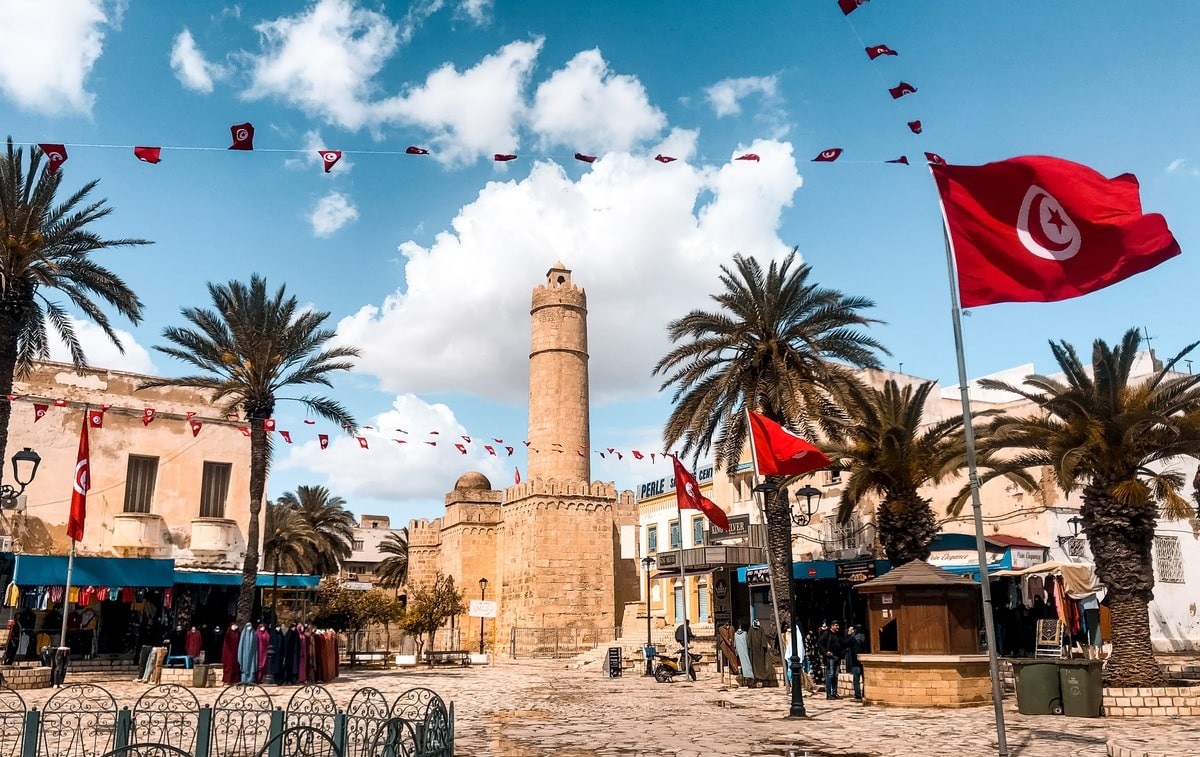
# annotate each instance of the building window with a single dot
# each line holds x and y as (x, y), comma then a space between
(849, 535)
(214, 489)
(702, 602)
(678, 603)
(676, 535)
(140, 477)
(357, 545)
(833, 476)
(698, 531)
(1168, 560)
(651, 539)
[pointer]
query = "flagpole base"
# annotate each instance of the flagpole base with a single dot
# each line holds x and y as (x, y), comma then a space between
(797, 710)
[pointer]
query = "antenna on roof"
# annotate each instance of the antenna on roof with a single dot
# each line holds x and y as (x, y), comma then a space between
(1147, 337)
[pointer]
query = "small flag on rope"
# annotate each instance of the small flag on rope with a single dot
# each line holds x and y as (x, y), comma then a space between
(148, 154)
(243, 136)
(935, 159)
(849, 6)
(516, 475)
(148, 416)
(323, 439)
(915, 126)
(196, 426)
(748, 156)
(414, 150)
(362, 441)
(330, 158)
(287, 436)
(461, 448)
(875, 51)
(901, 89)
(96, 418)
(828, 156)
(503, 157)
(902, 159)
(55, 154)
(664, 158)
(585, 158)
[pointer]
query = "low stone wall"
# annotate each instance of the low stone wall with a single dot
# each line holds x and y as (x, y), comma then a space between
(25, 677)
(1163, 701)
(927, 680)
(1161, 745)
(186, 676)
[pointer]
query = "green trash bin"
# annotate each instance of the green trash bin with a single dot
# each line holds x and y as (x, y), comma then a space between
(1082, 687)
(1038, 691)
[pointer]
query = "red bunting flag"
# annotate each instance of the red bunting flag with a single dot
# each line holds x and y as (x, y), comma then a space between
(901, 89)
(95, 418)
(903, 159)
(503, 157)
(11, 397)
(308, 422)
(287, 436)
(435, 432)
(432, 444)
(498, 441)
(874, 51)
(664, 158)
(527, 443)
(460, 447)
(414, 150)
(148, 416)
(467, 439)
(915, 126)
(60, 403)
(56, 155)
(651, 457)
(401, 431)
(330, 158)
(196, 426)
(148, 154)
(243, 136)
(585, 158)
(190, 414)
(638, 455)
(490, 449)
(268, 424)
(748, 156)
(620, 456)
(245, 430)
(828, 156)
(849, 6)
(781, 452)
(516, 476)
(400, 441)
(323, 440)
(935, 159)
(509, 450)
(79, 488)
(688, 496)
(362, 441)
(1042, 229)
(39, 411)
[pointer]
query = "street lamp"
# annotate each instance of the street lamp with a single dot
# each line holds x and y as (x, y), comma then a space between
(1074, 522)
(795, 667)
(809, 493)
(647, 564)
(25, 466)
(483, 582)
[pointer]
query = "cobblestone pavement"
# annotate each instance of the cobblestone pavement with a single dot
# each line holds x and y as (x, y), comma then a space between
(536, 708)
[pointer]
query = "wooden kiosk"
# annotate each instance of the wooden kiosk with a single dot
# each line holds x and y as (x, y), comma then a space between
(923, 625)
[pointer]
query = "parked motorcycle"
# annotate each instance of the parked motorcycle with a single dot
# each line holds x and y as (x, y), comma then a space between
(667, 668)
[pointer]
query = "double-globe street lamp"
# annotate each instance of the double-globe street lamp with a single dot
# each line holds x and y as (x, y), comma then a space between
(647, 564)
(812, 499)
(483, 582)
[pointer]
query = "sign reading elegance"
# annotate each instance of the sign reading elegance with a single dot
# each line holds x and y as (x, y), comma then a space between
(961, 557)
(482, 608)
(666, 485)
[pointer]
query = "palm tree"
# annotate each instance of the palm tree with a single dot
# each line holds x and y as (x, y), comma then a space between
(48, 245)
(331, 523)
(392, 571)
(248, 348)
(778, 344)
(288, 541)
(888, 452)
(1115, 440)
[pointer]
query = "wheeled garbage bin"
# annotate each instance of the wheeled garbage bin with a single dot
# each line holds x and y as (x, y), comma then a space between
(1038, 687)
(1082, 687)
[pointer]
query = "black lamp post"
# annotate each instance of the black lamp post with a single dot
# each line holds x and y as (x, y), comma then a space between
(1075, 521)
(795, 665)
(647, 564)
(483, 582)
(25, 466)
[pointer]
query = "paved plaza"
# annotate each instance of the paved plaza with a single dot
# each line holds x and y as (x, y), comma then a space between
(565, 708)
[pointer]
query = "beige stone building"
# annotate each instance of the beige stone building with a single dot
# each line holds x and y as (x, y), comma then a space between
(365, 555)
(558, 550)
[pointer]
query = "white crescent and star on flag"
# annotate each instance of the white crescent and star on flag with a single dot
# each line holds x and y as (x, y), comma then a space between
(1045, 229)
(81, 476)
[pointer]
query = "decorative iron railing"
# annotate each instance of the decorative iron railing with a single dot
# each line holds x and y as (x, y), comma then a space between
(84, 720)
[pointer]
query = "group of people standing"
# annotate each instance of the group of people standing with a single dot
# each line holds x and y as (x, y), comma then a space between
(832, 647)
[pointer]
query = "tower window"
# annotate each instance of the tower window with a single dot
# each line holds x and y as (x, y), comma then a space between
(562, 280)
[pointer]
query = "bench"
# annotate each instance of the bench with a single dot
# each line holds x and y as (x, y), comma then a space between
(448, 656)
(369, 658)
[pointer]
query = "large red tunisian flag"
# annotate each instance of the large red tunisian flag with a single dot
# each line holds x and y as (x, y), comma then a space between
(688, 496)
(1042, 229)
(80, 487)
(780, 452)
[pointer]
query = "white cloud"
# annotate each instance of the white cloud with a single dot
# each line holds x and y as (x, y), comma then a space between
(322, 60)
(726, 95)
(585, 106)
(101, 352)
(472, 113)
(1184, 166)
(387, 470)
(332, 212)
(479, 11)
(191, 68)
(314, 144)
(644, 239)
(49, 49)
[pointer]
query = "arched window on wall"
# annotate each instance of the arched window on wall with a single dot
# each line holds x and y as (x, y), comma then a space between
(702, 602)
(678, 602)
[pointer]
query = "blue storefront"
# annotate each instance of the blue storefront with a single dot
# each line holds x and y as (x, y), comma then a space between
(824, 591)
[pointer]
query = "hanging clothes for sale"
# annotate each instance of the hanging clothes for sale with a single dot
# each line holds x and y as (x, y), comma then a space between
(230, 672)
(247, 654)
(194, 643)
(263, 637)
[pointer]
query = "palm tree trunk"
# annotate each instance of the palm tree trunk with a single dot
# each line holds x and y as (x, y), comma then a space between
(779, 551)
(907, 526)
(258, 486)
(1132, 662)
(11, 310)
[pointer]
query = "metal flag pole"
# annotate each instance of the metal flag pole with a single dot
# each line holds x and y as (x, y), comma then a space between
(989, 624)
(685, 661)
(62, 640)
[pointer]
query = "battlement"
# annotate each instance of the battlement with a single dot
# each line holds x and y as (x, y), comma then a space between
(559, 289)
(556, 488)
(424, 533)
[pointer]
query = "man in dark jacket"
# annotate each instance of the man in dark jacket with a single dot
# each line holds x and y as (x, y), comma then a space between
(832, 645)
(856, 643)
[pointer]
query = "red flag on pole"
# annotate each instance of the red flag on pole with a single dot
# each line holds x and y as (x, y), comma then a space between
(1043, 229)
(780, 452)
(516, 475)
(688, 496)
(80, 487)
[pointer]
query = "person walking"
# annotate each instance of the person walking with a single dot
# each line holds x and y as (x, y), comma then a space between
(856, 643)
(832, 645)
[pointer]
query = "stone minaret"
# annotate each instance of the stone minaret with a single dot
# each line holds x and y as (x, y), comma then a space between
(558, 381)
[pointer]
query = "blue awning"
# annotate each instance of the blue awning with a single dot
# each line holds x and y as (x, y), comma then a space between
(234, 578)
(51, 570)
(812, 570)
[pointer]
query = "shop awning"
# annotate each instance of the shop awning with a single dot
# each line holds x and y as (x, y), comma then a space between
(234, 578)
(686, 573)
(51, 570)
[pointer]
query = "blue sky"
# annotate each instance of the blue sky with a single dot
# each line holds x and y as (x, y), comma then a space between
(427, 262)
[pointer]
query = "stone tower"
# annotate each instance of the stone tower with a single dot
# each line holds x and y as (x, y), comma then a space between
(558, 381)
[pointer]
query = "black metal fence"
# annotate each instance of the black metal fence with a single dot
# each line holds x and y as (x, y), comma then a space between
(83, 720)
(557, 642)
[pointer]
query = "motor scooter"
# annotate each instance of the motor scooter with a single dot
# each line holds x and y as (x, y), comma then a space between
(667, 668)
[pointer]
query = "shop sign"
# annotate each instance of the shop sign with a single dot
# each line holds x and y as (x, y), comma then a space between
(1026, 558)
(960, 557)
(667, 484)
(739, 528)
(482, 608)
(855, 571)
(668, 560)
(720, 588)
(885, 599)
(357, 586)
(758, 576)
